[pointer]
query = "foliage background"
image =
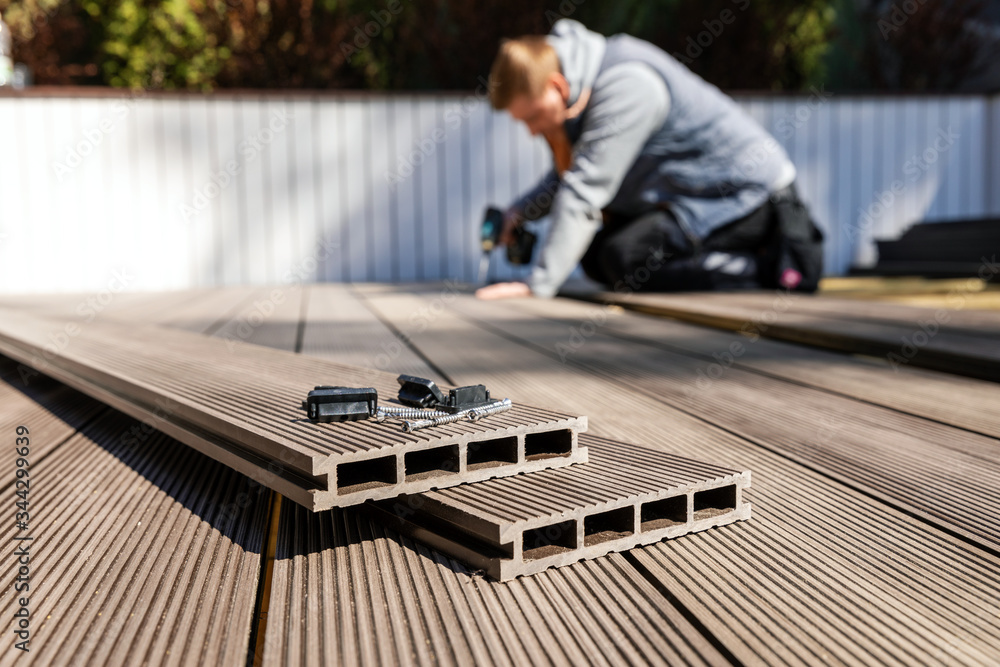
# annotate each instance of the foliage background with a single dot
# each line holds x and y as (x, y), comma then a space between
(447, 44)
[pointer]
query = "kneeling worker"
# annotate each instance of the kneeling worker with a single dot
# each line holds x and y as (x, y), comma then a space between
(661, 182)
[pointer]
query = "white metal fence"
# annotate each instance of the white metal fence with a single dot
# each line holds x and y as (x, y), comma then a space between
(184, 191)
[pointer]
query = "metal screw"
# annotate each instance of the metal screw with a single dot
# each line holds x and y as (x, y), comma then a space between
(473, 414)
(410, 426)
(386, 412)
(487, 410)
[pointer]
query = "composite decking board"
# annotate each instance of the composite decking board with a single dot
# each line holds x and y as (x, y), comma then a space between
(618, 500)
(144, 538)
(974, 355)
(964, 402)
(269, 318)
(845, 570)
(249, 395)
(144, 553)
(942, 474)
(348, 591)
(339, 327)
(960, 320)
(601, 612)
(205, 313)
(52, 413)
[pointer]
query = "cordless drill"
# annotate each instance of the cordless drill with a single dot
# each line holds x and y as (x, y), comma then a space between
(519, 250)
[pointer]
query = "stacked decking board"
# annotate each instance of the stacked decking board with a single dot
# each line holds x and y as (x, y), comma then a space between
(624, 497)
(827, 572)
(237, 403)
(240, 404)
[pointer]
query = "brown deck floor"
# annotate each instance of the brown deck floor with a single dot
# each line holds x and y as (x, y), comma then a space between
(874, 539)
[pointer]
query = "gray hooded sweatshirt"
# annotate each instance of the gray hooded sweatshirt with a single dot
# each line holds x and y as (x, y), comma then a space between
(652, 134)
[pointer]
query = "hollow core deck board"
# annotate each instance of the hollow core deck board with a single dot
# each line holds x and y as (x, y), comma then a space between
(966, 352)
(625, 496)
(873, 571)
(240, 403)
(938, 472)
(339, 578)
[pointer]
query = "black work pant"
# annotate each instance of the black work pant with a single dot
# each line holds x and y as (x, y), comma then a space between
(651, 253)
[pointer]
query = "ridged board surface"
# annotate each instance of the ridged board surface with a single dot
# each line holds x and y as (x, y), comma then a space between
(249, 395)
(615, 471)
(143, 550)
(824, 572)
(348, 592)
(902, 334)
(950, 399)
(932, 470)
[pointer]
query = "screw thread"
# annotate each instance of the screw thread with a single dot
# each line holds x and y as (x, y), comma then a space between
(494, 409)
(385, 412)
(411, 426)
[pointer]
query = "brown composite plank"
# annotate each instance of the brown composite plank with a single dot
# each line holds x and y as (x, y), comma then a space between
(347, 591)
(623, 497)
(145, 553)
(938, 472)
(340, 327)
(144, 550)
(916, 339)
(832, 573)
(960, 317)
(240, 403)
(964, 402)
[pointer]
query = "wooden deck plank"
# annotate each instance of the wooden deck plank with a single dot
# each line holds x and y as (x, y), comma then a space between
(140, 553)
(815, 538)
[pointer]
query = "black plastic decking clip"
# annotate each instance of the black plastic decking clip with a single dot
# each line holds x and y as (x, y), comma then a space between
(339, 404)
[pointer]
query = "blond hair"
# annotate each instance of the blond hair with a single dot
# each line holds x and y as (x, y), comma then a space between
(522, 67)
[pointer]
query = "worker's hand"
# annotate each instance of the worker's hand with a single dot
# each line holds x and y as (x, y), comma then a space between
(511, 219)
(503, 291)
